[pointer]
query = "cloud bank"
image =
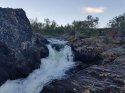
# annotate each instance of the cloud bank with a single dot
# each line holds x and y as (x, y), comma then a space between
(93, 10)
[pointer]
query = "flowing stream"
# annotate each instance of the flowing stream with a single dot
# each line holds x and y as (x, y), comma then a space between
(52, 67)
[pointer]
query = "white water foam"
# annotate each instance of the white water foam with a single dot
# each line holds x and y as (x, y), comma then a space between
(52, 67)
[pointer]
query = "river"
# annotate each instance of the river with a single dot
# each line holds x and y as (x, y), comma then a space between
(52, 67)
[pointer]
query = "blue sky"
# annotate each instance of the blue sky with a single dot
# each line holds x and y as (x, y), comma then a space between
(65, 11)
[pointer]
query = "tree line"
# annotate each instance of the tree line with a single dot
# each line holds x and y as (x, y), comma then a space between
(87, 27)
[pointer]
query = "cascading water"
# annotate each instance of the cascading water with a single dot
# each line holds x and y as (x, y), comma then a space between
(52, 67)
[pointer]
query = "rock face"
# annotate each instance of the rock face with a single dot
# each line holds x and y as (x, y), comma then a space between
(111, 54)
(14, 27)
(86, 51)
(106, 77)
(6, 58)
(21, 50)
(94, 79)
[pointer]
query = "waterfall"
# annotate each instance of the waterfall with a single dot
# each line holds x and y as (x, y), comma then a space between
(52, 67)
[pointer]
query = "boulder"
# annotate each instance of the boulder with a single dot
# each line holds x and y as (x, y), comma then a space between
(21, 50)
(14, 27)
(86, 51)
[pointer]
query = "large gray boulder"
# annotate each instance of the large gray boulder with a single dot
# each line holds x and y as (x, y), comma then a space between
(14, 27)
(21, 50)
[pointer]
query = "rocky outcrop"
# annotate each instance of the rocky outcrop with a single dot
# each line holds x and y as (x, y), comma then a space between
(111, 54)
(21, 50)
(86, 50)
(109, 78)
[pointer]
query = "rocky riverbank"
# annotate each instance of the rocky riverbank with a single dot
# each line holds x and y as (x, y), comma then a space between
(20, 49)
(101, 68)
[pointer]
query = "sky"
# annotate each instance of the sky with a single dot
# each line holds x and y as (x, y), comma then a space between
(66, 11)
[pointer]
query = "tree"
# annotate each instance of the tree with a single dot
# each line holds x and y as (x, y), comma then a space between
(118, 23)
(87, 26)
(92, 22)
(36, 26)
(53, 25)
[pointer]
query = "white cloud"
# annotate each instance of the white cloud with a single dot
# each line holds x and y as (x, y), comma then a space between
(93, 10)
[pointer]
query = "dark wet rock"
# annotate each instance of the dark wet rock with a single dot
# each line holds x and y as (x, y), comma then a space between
(39, 39)
(57, 47)
(109, 78)
(20, 49)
